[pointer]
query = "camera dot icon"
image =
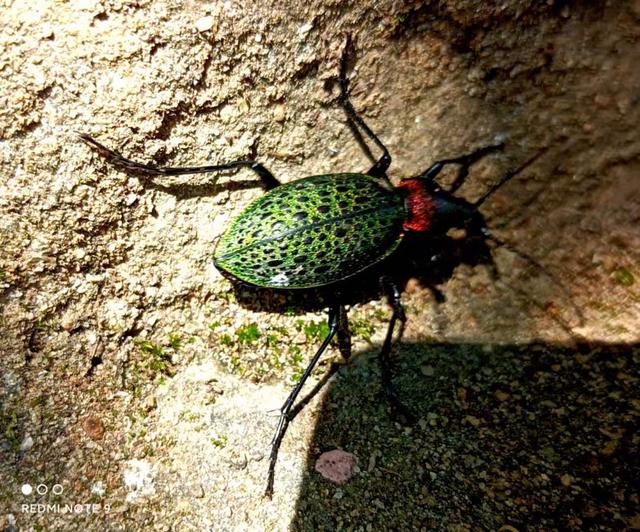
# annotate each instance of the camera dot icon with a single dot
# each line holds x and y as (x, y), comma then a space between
(26, 489)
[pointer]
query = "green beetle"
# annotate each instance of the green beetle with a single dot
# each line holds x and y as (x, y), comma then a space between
(327, 231)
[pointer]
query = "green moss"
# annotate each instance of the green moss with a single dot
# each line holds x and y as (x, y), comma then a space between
(362, 329)
(155, 359)
(220, 442)
(148, 451)
(148, 347)
(249, 334)
(296, 359)
(38, 401)
(175, 341)
(398, 20)
(166, 441)
(226, 339)
(273, 341)
(276, 362)
(237, 365)
(380, 315)
(9, 420)
(313, 330)
(623, 277)
(283, 331)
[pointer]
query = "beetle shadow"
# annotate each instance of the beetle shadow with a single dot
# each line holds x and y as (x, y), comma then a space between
(532, 435)
(183, 191)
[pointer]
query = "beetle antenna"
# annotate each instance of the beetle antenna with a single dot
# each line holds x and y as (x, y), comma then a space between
(357, 123)
(117, 159)
(344, 94)
(501, 243)
(506, 178)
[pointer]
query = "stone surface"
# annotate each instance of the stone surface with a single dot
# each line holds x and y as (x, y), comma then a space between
(110, 308)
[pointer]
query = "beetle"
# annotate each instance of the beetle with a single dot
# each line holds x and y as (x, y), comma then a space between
(328, 233)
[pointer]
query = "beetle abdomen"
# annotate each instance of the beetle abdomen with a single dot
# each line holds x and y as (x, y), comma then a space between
(312, 232)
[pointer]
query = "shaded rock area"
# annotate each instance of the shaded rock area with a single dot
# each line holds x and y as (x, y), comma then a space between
(524, 437)
(134, 378)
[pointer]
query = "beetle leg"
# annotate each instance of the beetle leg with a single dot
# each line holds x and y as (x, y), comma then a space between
(379, 169)
(287, 412)
(384, 358)
(344, 346)
(266, 177)
(465, 161)
(344, 333)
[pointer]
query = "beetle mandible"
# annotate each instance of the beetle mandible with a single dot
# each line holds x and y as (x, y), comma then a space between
(329, 232)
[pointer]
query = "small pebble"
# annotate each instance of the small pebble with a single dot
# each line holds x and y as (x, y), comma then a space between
(372, 460)
(502, 396)
(204, 24)
(27, 443)
(427, 371)
(93, 427)
(67, 323)
(238, 460)
(336, 466)
(131, 199)
(98, 488)
(243, 105)
(472, 420)
(279, 113)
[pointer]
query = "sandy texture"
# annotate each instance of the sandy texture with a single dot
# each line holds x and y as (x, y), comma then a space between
(130, 374)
